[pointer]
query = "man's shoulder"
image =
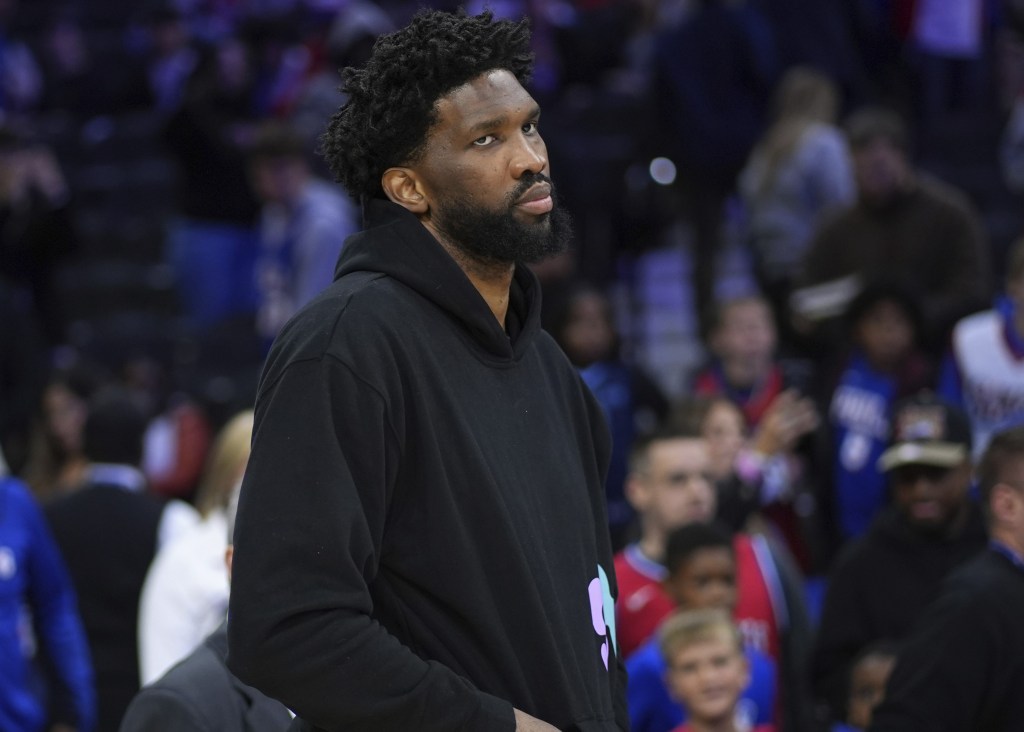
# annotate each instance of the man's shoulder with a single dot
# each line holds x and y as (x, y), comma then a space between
(985, 574)
(99, 496)
(938, 193)
(633, 570)
(354, 310)
(200, 669)
(192, 692)
(201, 695)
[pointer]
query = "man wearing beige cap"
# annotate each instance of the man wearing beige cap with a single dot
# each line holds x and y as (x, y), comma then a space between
(962, 668)
(881, 583)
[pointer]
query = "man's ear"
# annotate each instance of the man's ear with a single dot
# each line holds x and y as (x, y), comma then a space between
(1006, 503)
(402, 186)
(635, 492)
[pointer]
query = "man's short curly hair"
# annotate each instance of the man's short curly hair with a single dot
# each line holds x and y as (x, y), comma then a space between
(391, 100)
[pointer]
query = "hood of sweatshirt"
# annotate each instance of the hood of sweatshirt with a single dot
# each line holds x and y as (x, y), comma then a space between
(396, 244)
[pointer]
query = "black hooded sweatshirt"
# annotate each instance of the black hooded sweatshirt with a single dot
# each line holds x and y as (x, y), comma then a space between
(421, 541)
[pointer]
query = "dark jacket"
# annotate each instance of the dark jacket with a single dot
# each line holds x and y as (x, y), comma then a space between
(199, 694)
(422, 541)
(107, 535)
(963, 667)
(929, 236)
(878, 590)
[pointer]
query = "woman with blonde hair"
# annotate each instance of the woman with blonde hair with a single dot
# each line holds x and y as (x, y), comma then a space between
(185, 596)
(225, 464)
(798, 172)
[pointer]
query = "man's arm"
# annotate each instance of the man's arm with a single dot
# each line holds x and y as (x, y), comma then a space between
(308, 542)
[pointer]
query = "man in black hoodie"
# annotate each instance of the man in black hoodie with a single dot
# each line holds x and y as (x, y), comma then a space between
(421, 540)
(882, 583)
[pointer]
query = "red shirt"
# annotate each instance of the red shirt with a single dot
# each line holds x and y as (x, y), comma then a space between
(643, 604)
(760, 606)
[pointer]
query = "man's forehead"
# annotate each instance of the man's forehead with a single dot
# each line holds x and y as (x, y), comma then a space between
(485, 97)
(679, 449)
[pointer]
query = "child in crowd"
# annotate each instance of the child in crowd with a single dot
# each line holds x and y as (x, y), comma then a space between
(749, 470)
(670, 486)
(701, 564)
(744, 367)
(707, 671)
(742, 340)
(868, 677)
(582, 323)
(882, 366)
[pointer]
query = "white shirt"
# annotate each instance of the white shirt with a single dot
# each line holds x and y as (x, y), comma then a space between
(184, 597)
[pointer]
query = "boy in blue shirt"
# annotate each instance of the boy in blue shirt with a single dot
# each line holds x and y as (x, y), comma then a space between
(701, 575)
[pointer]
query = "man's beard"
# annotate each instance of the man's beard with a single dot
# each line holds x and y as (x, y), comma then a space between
(500, 237)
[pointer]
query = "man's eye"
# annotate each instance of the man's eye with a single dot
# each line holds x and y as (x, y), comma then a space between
(530, 127)
(485, 140)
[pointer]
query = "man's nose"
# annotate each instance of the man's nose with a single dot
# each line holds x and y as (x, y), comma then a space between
(531, 156)
(921, 487)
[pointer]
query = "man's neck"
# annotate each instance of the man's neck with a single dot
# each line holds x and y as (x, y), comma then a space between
(652, 546)
(959, 523)
(492, 280)
(1009, 539)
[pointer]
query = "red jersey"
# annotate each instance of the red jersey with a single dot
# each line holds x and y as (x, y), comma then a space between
(760, 605)
(643, 604)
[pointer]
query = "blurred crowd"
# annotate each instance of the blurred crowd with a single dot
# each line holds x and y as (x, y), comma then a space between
(163, 212)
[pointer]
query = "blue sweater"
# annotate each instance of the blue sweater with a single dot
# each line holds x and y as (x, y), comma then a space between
(32, 574)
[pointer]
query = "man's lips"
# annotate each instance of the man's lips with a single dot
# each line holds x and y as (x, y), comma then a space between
(537, 200)
(926, 509)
